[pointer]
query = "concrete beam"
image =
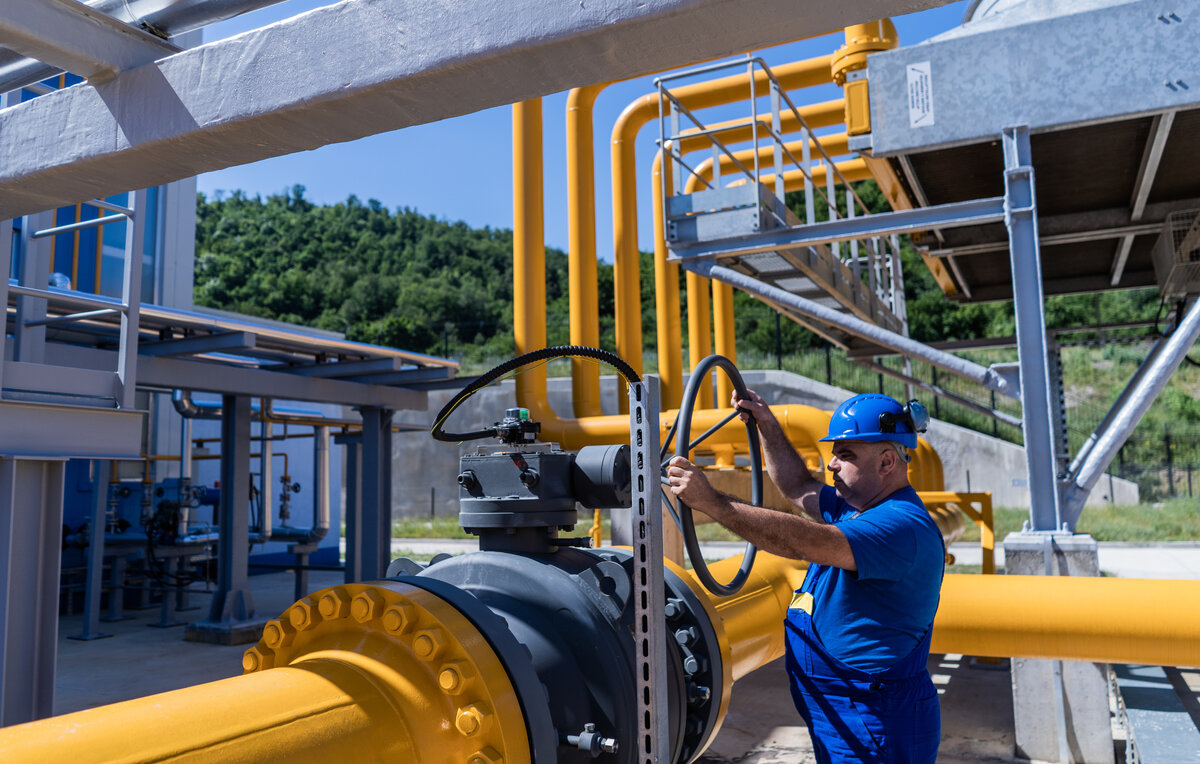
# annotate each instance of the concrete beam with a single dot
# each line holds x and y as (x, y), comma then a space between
(362, 67)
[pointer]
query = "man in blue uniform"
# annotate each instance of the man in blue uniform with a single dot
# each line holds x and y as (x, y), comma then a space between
(858, 629)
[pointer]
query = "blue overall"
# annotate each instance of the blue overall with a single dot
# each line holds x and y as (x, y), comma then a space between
(889, 716)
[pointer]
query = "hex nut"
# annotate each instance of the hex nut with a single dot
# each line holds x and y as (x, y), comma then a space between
(303, 615)
(428, 644)
(400, 618)
(454, 677)
(255, 659)
(277, 634)
(334, 604)
(366, 606)
(488, 755)
(473, 719)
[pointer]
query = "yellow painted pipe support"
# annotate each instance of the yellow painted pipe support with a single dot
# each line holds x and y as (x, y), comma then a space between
(381, 672)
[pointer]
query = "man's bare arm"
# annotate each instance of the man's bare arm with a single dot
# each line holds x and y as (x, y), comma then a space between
(784, 465)
(780, 533)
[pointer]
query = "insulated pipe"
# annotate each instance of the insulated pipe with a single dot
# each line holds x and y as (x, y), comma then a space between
(626, 279)
(164, 18)
(581, 249)
(854, 325)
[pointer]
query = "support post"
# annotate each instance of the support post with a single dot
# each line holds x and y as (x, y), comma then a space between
(231, 618)
(1060, 708)
(95, 555)
(1020, 217)
(29, 342)
(376, 527)
(353, 507)
(31, 510)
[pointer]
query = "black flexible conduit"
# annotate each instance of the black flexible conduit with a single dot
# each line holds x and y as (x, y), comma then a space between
(545, 354)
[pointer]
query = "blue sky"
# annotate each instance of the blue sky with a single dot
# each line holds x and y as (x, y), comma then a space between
(461, 168)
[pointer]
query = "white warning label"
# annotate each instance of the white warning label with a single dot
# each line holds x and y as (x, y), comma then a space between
(920, 95)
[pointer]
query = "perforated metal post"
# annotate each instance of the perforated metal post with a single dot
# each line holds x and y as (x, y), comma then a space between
(648, 579)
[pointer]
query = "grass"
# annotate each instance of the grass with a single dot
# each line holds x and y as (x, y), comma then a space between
(1174, 520)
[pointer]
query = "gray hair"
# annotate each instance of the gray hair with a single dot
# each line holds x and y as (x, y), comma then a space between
(901, 451)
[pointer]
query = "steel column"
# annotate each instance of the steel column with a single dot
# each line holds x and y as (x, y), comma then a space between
(376, 513)
(352, 510)
(95, 554)
(31, 508)
(231, 614)
(1020, 217)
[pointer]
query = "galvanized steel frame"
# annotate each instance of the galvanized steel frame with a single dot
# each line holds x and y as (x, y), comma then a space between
(1020, 218)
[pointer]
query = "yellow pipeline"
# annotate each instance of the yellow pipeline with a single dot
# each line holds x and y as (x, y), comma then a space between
(405, 677)
(392, 674)
(1105, 620)
(627, 290)
(581, 249)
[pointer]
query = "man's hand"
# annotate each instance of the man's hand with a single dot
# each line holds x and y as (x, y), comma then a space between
(753, 405)
(689, 484)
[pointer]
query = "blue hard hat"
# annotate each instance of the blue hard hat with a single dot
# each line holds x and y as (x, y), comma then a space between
(873, 418)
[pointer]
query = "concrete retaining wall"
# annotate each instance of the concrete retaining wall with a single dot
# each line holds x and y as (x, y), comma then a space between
(424, 471)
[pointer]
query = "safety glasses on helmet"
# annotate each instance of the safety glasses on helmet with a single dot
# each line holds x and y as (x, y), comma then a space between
(914, 413)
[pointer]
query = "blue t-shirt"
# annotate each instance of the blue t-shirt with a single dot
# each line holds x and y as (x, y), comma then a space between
(872, 618)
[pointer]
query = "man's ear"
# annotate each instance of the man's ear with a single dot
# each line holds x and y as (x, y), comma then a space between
(888, 459)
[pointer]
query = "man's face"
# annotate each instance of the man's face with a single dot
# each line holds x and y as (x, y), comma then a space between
(857, 470)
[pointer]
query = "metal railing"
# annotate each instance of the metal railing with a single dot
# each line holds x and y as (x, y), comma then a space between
(35, 295)
(882, 260)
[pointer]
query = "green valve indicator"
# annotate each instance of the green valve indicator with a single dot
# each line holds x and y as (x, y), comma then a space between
(522, 414)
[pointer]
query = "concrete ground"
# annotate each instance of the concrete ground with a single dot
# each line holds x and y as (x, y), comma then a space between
(761, 728)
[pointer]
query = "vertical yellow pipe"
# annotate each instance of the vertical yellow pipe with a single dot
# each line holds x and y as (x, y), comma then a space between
(666, 297)
(529, 250)
(581, 211)
(699, 330)
(726, 341)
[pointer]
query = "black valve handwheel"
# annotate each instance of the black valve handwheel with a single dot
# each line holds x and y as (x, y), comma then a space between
(683, 448)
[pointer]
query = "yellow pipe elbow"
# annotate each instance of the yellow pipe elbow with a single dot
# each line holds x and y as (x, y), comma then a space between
(861, 41)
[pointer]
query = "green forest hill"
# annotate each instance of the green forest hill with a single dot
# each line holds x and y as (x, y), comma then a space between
(408, 280)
